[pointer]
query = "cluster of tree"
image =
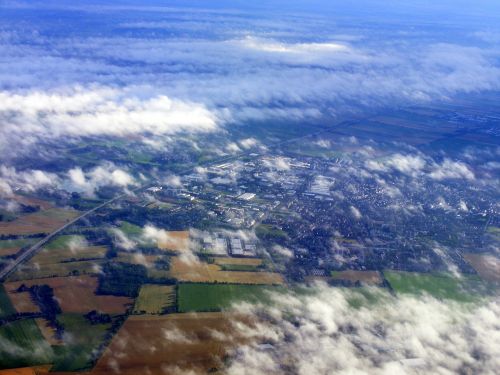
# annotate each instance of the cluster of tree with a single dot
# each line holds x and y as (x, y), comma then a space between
(95, 317)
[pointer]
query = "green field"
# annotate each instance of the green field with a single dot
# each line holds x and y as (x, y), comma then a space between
(155, 299)
(215, 297)
(130, 229)
(23, 345)
(239, 267)
(6, 307)
(83, 339)
(468, 288)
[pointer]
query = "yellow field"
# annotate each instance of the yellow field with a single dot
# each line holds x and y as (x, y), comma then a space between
(238, 261)
(154, 299)
(203, 272)
(366, 277)
(175, 241)
(38, 222)
(34, 271)
(52, 256)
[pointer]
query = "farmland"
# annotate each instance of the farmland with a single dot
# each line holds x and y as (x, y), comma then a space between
(26, 335)
(11, 247)
(34, 271)
(76, 294)
(174, 241)
(215, 297)
(439, 285)
(6, 307)
(80, 340)
(181, 342)
(155, 299)
(203, 272)
(38, 222)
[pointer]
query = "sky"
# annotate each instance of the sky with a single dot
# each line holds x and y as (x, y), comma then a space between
(118, 68)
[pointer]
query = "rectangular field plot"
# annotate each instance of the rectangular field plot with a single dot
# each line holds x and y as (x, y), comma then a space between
(67, 249)
(182, 342)
(23, 345)
(39, 222)
(76, 294)
(468, 288)
(203, 272)
(6, 307)
(33, 270)
(215, 297)
(155, 299)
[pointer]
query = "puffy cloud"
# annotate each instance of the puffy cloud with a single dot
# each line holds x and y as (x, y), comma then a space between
(99, 111)
(103, 175)
(322, 333)
(28, 180)
(408, 164)
(450, 169)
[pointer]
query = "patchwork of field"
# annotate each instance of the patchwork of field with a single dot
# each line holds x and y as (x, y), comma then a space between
(487, 266)
(11, 247)
(155, 299)
(38, 222)
(216, 297)
(193, 271)
(181, 342)
(67, 249)
(33, 270)
(468, 288)
(365, 277)
(75, 294)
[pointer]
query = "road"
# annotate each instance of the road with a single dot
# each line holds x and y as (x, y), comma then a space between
(37, 246)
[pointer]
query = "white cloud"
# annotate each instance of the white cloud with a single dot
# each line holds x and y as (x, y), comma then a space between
(104, 175)
(28, 180)
(450, 169)
(395, 335)
(99, 111)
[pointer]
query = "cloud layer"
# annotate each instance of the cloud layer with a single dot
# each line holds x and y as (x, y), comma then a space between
(321, 333)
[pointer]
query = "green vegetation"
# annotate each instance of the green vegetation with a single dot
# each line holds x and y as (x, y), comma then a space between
(6, 307)
(122, 279)
(155, 299)
(239, 267)
(23, 345)
(267, 231)
(5, 244)
(215, 297)
(130, 229)
(468, 288)
(63, 242)
(76, 354)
